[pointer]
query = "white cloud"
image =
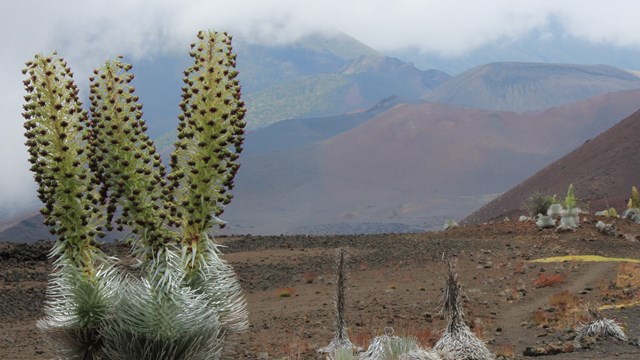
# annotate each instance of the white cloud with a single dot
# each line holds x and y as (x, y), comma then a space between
(87, 32)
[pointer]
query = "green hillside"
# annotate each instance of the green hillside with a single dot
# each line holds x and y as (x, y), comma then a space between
(294, 99)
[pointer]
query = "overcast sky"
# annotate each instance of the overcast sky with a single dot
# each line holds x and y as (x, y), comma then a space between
(88, 32)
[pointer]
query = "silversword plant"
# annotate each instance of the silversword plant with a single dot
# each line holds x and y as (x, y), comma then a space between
(98, 170)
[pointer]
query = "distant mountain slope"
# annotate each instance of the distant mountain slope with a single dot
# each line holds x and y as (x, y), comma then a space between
(159, 79)
(292, 133)
(530, 86)
(412, 164)
(602, 171)
(29, 228)
(360, 84)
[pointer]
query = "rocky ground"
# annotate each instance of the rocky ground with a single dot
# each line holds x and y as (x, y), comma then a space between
(393, 280)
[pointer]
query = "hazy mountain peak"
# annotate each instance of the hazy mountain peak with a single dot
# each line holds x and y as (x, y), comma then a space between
(338, 44)
(518, 70)
(367, 63)
(521, 86)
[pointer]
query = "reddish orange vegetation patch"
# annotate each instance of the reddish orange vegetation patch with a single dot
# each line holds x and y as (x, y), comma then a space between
(565, 311)
(628, 276)
(564, 301)
(544, 280)
(504, 350)
(285, 292)
(310, 276)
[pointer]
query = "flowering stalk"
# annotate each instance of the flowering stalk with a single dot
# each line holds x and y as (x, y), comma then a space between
(634, 200)
(210, 136)
(56, 136)
(80, 290)
(126, 161)
(204, 163)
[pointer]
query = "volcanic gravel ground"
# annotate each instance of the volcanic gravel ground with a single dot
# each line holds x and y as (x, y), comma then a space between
(393, 280)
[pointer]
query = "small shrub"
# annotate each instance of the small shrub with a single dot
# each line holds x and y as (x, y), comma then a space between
(310, 276)
(610, 212)
(563, 312)
(633, 206)
(285, 292)
(564, 301)
(545, 280)
(504, 350)
(538, 203)
(542, 317)
(628, 276)
(450, 224)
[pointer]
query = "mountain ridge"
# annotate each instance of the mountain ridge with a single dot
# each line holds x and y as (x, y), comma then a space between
(517, 86)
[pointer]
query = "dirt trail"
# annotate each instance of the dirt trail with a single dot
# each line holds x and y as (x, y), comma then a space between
(518, 314)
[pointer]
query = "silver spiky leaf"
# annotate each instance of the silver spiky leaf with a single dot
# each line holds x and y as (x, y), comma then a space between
(555, 211)
(161, 323)
(602, 328)
(375, 351)
(421, 354)
(569, 220)
(545, 221)
(76, 308)
(632, 214)
(377, 347)
(390, 347)
(397, 346)
(463, 345)
(218, 283)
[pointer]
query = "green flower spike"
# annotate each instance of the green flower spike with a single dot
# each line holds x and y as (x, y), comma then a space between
(210, 136)
(126, 160)
(80, 291)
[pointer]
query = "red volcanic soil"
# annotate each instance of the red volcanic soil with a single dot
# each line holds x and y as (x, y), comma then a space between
(602, 170)
(393, 280)
(416, 161)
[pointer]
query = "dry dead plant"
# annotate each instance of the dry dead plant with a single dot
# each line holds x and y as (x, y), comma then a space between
(458, 339)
